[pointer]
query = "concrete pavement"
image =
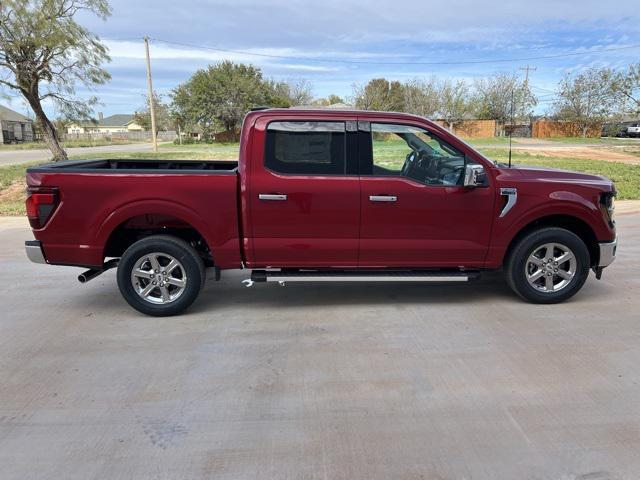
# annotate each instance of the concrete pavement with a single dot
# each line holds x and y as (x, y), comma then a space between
(335, 381)
(15, 157)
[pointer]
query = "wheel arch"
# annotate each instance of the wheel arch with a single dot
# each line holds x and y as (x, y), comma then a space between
(571, 223)
(135, 221)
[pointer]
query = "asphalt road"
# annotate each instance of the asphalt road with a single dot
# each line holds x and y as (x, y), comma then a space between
(14, 157)
(335, 381)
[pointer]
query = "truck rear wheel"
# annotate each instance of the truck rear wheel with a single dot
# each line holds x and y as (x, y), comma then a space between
(160, 275)
(548, 265)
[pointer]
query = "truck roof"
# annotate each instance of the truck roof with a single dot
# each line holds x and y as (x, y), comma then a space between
(335, 113)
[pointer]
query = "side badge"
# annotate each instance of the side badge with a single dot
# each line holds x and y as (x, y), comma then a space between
(512, 198)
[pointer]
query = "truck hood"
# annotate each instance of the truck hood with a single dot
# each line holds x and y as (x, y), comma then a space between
(545, 174)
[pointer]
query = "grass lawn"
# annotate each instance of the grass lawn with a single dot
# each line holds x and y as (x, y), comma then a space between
(392, 154)
(12, 189)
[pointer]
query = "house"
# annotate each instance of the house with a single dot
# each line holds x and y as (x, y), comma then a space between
(120, 123)
(15, 127)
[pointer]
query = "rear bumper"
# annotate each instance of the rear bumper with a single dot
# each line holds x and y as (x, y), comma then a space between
(607, 253)
(34, 251)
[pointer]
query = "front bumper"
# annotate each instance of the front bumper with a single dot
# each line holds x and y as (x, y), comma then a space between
(607, 253)
(34, 251)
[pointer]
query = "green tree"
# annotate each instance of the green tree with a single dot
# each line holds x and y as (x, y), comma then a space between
(587, 99)
(45, 53)
(165, 119)
(334, 99)
(379, 94)
(222, 94)
(330, 100)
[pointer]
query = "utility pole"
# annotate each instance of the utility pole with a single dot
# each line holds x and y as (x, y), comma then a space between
(152, 108)
(527, 69)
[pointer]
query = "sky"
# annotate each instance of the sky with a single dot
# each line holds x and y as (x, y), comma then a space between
(336, 43)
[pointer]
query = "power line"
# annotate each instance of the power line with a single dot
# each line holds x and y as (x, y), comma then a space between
(369, 62)
(527, 69)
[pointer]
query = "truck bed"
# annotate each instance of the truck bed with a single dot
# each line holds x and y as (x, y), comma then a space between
(100, 197)
(142, 166)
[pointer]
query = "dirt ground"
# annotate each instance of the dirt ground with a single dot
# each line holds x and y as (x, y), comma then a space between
(625, 152)
(589, 153)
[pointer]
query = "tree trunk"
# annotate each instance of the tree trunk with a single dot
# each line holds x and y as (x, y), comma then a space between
(584, 131)
(48, 130)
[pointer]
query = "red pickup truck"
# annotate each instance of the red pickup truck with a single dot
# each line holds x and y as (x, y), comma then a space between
(323, 196)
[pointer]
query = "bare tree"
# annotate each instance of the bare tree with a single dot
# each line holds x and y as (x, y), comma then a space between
(421, 97)
(296, 92)
(44, 53)
(456, 102)
(494, 96)
(627, 87)
(586, 99)
(300, 92)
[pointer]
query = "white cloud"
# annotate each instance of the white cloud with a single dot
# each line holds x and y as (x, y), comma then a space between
(309, 31)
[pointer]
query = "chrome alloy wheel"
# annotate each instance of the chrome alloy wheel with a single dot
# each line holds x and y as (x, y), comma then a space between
(551, 267)
(158, 278)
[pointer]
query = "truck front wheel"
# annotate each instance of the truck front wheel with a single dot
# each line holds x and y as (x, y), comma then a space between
(548, 265)
(160, 275)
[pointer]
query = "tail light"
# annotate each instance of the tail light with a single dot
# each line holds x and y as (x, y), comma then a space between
(41, 203)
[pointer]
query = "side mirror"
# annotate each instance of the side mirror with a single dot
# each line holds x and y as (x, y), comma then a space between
(474, 176)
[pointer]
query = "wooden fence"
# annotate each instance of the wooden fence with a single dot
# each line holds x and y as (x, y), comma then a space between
(549, 128)
(472, 128)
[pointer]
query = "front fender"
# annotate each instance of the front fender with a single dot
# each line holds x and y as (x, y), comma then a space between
(533, 208)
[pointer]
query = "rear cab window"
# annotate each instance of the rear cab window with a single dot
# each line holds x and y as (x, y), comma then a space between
(306, 147)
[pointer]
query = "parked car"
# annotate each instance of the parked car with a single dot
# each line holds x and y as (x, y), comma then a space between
(633, 130)
(322, 196)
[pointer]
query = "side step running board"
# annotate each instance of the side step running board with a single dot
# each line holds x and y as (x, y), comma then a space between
(362, 276)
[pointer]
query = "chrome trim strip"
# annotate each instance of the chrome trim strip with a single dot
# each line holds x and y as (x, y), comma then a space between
(34, 251)
(383, 198)
(364, 278)
(272, 196)
(607, 253)
(512, 198)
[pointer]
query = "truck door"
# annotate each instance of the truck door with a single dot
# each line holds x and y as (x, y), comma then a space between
(303, 194)
(415, 211)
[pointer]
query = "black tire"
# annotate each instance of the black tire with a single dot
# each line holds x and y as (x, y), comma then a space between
(178, 249)
(517, 264)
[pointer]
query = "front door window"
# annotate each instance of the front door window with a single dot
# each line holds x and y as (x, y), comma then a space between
(411, 152)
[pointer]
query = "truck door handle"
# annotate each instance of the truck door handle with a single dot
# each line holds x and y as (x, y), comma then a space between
(383, 198)
(272, 196)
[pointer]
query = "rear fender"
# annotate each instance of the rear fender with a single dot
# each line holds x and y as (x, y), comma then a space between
(153, 207)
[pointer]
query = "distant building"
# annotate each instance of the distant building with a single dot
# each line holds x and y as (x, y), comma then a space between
(120, 123)
(15, 127)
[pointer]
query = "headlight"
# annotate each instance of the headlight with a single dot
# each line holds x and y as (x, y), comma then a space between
(608, 202)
